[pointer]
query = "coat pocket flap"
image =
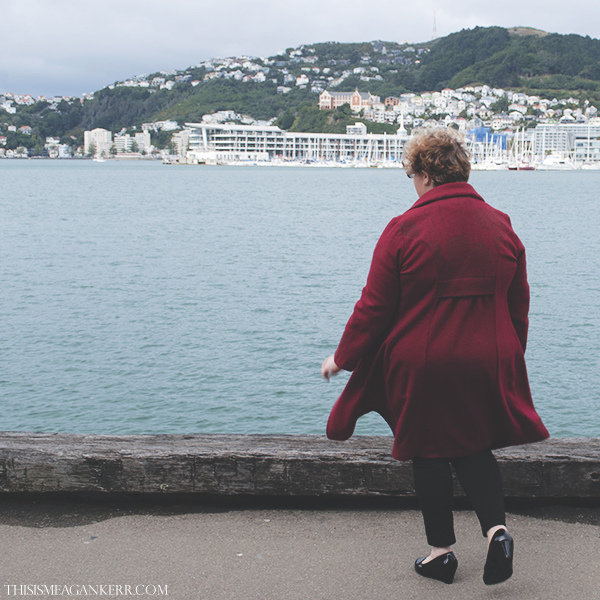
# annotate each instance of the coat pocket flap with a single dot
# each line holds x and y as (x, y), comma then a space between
(471, 286)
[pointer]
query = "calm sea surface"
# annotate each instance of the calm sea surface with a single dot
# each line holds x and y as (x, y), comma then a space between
(144, 298)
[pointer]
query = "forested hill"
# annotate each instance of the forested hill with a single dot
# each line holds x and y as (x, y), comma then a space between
(549, 65)
(532, 62)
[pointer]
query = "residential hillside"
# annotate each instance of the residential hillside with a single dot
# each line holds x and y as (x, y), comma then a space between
(286, 86)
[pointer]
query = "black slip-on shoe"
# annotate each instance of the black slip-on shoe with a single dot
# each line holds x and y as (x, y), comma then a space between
(442, 568)
(499, 563)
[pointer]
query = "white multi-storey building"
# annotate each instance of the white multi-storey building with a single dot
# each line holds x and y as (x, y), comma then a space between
(356, 129)
(210, 142)
(99, 140)
(587, 150)
(560, 139)
(125, 143)
(181, 141)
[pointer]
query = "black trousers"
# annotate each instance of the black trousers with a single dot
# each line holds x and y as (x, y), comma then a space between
(479, 476)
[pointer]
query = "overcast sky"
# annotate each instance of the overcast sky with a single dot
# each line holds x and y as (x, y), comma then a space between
(67, 47)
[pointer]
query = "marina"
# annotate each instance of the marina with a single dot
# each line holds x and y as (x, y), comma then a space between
(546, 148)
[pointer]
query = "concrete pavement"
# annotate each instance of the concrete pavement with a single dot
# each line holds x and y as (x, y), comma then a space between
(220, 553)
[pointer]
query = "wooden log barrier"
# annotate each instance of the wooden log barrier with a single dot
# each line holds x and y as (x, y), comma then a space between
(268, 465)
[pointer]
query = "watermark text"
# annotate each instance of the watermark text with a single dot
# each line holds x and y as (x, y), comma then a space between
(111, 589)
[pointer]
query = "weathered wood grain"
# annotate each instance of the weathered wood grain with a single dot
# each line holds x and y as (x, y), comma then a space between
(267, 465)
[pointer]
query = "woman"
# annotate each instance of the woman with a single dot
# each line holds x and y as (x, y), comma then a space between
(436, 344)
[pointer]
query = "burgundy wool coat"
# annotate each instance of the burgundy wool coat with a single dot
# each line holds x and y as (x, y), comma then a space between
(436, 342)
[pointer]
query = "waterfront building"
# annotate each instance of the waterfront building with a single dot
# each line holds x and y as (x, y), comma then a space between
(587, 150)
(56, 149)
(181, 141)
(213, 142)
(548, 146)
(124, 143)
(143, 141)
(100, 139)
(560, 138)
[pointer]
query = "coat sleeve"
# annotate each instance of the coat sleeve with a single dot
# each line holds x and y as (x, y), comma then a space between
(518, 298)
(378, 302)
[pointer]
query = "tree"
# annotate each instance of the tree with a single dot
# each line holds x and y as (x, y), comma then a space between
(92, 149)
(501, 105)
(161, 139)
(134, 146)
(113, 150)
(344, 109)
(286, 120)
(354, 57)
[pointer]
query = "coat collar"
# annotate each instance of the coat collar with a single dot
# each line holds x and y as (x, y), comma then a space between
(447, 190)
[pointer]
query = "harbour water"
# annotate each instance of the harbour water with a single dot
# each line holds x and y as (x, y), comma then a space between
(143, 298)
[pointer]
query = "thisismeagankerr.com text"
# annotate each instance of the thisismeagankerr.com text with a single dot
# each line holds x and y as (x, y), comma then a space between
(86, 590)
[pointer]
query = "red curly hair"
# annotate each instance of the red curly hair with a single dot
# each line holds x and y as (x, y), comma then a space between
(440, 153)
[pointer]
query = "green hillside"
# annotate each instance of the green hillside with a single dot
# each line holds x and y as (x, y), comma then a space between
(550, 65)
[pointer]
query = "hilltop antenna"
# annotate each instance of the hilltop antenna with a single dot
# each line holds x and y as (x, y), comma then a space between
(434, 32)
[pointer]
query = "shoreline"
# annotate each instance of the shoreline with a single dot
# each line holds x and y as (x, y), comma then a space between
(182, 161)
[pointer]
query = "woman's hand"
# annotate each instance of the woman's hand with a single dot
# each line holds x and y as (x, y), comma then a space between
(329, 368)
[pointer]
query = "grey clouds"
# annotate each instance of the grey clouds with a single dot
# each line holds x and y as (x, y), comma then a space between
(67, 47)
